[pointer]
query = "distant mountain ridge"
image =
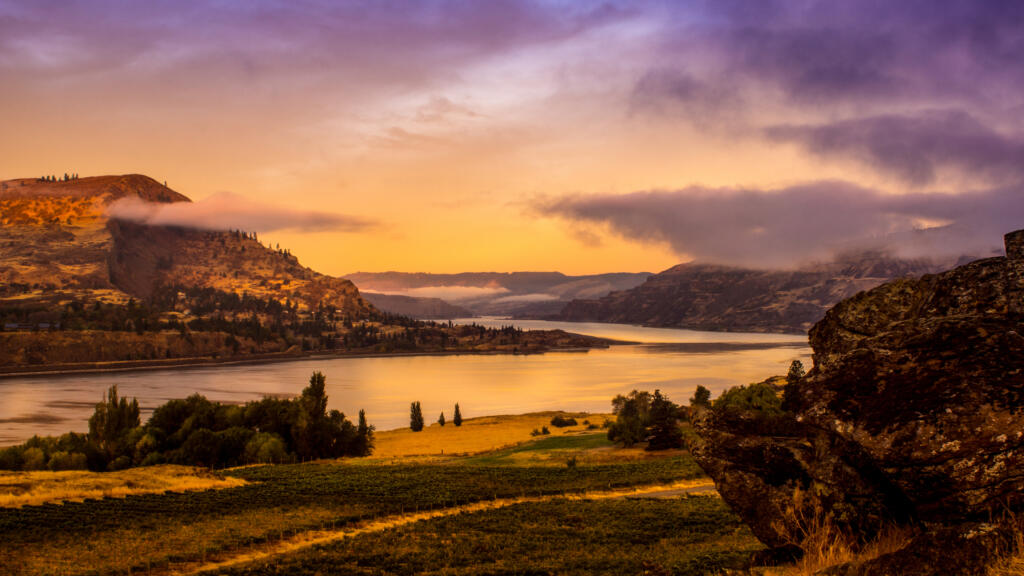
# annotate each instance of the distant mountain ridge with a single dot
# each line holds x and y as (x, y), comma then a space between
(712, 297)
(521, 294)
(421, 308)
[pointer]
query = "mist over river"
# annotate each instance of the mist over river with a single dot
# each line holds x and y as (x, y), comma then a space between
(675, 361)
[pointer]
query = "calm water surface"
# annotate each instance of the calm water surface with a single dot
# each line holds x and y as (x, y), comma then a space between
(676, 361)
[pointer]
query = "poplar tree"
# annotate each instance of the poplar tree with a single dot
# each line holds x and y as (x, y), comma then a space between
(111, 422)
(415, 417)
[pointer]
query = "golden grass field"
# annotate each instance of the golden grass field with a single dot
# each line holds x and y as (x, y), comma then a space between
(476, 435)
(22, 488)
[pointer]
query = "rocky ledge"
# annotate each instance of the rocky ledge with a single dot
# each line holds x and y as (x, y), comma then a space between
(912, 415)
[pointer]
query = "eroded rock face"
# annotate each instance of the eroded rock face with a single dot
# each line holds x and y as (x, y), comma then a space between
(913, 412)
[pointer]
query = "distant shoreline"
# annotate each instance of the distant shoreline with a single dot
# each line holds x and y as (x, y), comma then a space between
(191, 363)
(188, 363)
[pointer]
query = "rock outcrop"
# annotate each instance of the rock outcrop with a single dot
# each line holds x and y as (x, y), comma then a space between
(913, 413)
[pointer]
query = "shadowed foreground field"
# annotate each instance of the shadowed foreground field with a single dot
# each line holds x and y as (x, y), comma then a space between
(685, 536)
(365, 506)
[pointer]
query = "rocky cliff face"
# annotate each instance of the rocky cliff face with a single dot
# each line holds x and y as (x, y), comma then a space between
(57, 244)
(913, 413)
(707, 297)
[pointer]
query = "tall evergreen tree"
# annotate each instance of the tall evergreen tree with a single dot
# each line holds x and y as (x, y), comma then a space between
(664, 432)
(313, 430)
(365, 436)
(791, 391)
(415, 417)
(441, 420)
(457, 418)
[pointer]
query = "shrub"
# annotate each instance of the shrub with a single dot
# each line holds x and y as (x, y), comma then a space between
(562, 421)
(632, 418)
(265, 447)
(701, 397)
(67, 461)
(120, 463)
(760, 398)
(33, 459)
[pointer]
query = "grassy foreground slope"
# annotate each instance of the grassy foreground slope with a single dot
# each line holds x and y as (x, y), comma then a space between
(174, 532)
(366, 507)
(684, 536)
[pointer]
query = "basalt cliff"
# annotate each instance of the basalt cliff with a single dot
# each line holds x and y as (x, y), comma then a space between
(912, 416)
(58, 244)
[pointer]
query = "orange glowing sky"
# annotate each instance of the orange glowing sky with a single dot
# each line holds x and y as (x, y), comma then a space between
(455, 127)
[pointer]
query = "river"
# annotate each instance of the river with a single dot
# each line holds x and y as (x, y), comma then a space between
(675, 361)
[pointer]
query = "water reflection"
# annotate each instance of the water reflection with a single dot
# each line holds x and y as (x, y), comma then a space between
(384, 386)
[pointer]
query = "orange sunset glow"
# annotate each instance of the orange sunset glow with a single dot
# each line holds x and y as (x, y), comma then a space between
(451, 130)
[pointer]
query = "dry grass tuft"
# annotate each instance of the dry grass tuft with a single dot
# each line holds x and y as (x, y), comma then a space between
(32, 488)
(825, 545)
(1013, 565)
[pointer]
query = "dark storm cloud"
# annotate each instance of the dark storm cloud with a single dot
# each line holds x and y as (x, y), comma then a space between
(915, 148)
(813, 221)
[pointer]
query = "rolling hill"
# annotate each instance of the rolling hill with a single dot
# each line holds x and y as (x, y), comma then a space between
(710, 297)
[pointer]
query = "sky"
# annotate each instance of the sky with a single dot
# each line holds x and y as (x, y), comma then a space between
(506, 135)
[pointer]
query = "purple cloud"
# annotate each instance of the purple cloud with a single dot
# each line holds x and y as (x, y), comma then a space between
(914, 148)
(813, 221)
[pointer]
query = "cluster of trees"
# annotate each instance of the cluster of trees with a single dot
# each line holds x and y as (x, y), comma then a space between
(67, 177)
(646, 417)
(195, 431)
(416, 417)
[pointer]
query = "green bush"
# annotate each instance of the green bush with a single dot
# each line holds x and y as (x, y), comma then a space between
(760, 398)
(67, 461)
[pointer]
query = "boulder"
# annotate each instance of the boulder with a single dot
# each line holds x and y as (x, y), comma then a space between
(912, 413)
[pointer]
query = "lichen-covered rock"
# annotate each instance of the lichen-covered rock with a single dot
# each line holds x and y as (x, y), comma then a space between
(913, 412)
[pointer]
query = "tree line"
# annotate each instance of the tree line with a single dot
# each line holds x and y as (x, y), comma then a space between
(195, 431)
(51, 178)
(416, 421)
(653, 418)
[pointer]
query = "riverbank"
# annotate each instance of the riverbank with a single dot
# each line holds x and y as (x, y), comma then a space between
(206, 361)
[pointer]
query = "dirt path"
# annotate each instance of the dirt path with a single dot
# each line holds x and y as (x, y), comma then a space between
(315, 537)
